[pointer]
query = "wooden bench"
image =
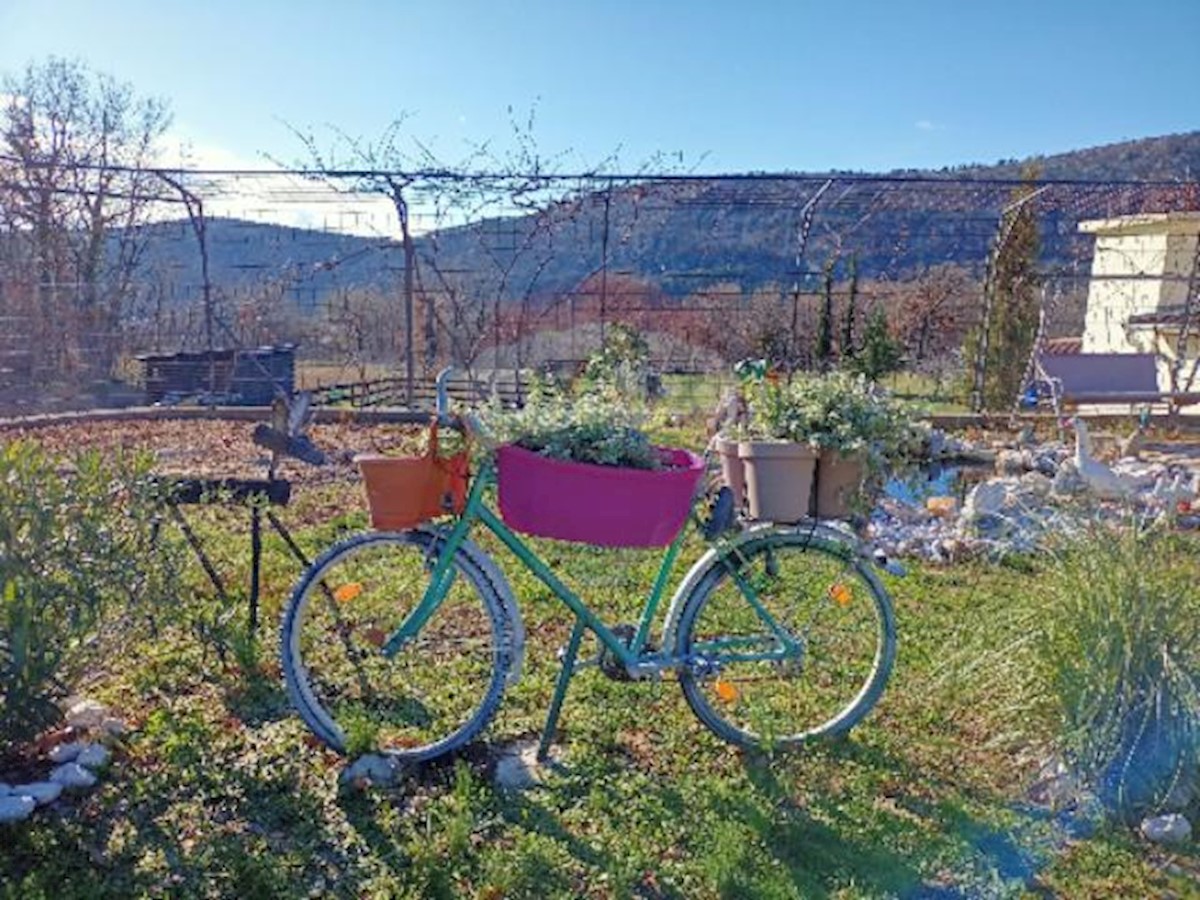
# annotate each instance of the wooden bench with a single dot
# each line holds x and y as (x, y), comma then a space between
(1076, 379)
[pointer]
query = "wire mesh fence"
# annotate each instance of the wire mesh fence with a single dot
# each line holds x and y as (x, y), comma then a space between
(375, 273)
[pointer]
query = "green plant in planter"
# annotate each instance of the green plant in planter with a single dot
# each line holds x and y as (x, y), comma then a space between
(840, 412)
(595, 426)
(857, 430)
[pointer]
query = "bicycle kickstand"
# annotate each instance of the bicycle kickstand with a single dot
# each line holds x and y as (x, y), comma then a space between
(560, 689)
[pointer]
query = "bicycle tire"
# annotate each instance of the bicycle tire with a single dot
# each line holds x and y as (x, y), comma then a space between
(848, 642)
(357, 700)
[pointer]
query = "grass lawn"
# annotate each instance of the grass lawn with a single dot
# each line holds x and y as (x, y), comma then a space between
(219, 791)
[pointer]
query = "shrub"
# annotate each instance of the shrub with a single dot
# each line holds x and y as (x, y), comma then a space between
(622, 364)
(76, 570)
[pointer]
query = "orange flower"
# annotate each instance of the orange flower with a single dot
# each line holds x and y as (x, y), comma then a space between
(840, 594)
(726, 691)
(347, 592)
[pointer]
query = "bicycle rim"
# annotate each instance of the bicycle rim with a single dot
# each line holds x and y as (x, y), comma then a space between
(835, 612)
(436, 693)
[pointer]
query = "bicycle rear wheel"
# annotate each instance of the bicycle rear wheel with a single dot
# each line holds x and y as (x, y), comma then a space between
(754, 688)
(437, 692)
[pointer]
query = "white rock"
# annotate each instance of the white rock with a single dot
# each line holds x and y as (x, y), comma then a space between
(1010, 462)
(93, 756)
(73, 775)
(1170, 829)
(985, 499)
(373, 767)
(87, 714)
(1036, 483)
(16, 809)
(1056, 786)
(518, 768)
(42, 792)
(65, 753)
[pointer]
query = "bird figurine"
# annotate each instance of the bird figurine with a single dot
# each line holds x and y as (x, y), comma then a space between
(1097, 477)
(731, 411)
(1170, 491)
(1132, 446)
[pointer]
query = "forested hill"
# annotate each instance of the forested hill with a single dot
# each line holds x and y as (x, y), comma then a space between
(679, 236)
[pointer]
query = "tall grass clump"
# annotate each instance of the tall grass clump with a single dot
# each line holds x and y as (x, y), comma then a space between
(1120, 656)
(1102, 648)
(79, 571)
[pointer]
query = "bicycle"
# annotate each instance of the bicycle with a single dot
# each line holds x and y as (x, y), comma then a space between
(405, 641)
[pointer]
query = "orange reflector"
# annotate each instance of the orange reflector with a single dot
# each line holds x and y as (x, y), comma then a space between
(840, 594)
(726, 691)
(347, 592)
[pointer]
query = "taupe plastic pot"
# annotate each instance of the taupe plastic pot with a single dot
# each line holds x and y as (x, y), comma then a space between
(779, 479)
(839, 479)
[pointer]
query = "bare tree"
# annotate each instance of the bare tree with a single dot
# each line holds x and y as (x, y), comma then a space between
(75, 147)
(931, 311)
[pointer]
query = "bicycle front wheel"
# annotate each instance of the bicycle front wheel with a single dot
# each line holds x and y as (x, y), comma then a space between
(787, 638)
(432, 696)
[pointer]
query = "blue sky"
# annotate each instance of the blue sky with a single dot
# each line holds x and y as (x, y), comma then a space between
(732, 86)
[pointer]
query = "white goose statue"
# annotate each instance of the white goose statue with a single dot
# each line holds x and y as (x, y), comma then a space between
(1099, 478)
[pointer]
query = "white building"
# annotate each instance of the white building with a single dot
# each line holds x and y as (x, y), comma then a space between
(1142, 269)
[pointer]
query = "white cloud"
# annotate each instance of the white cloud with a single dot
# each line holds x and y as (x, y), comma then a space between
(928, 125)
(243, 188)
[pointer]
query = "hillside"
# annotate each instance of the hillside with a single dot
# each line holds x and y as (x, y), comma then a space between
(677, 236)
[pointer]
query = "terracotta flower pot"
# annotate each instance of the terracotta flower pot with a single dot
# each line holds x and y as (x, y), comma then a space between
(733, 470)
(839, 479)
(779, 479)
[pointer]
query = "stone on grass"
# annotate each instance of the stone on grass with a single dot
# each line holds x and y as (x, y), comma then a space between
(518, 768)
(93, 756)
(1169, 829)
(73, 776)
(65, 753)
(87, 714)
(113, 727)
(1056, 786)
(16, 809)
(42, 792)
(373, 768)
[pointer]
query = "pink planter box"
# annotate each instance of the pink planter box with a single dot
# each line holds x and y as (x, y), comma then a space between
(602, 505)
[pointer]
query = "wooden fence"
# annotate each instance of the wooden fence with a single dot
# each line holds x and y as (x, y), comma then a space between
(393, 391)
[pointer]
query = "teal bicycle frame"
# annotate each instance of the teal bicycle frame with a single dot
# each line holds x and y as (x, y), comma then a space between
(632, 656)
